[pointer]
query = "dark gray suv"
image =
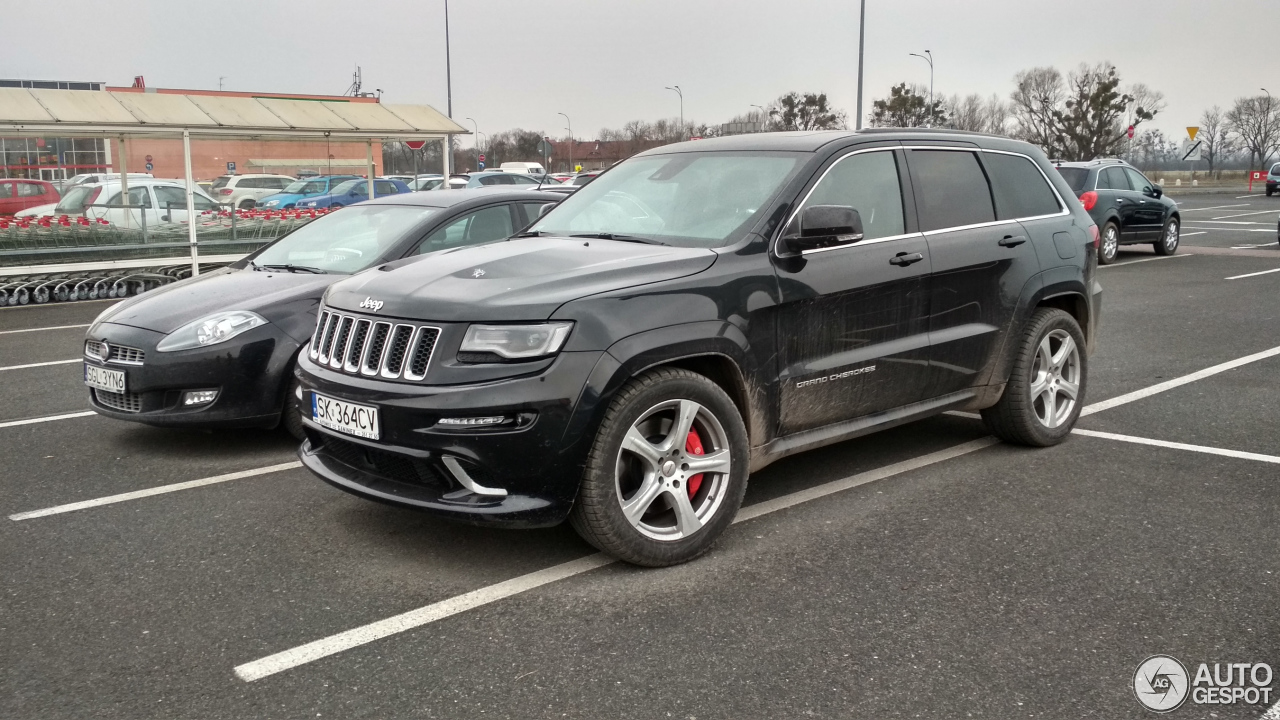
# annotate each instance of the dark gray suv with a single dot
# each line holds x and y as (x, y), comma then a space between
(1129, 208)
(698, 312)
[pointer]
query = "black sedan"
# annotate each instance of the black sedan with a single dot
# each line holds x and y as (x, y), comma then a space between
(218, 350)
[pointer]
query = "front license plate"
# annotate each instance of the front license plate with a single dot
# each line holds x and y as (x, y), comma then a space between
(352, 419)
(104, 379)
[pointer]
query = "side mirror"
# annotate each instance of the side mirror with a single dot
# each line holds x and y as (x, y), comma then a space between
(545, 209)
(1156, 191)
(823, 226)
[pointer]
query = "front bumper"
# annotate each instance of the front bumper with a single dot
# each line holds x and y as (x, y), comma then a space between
(248, 372)
(537, 462)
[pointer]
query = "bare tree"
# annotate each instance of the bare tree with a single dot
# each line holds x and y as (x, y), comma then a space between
(1217, 140)
(1255, 124)
(966, 113)
(995, 116)
(1036, 96)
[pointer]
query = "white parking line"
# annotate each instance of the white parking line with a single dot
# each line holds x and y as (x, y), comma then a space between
(1226, 217)
(51, 327)
(1215, 207)
(1272, 714)
(1135, 262)
(1264, 272)
(355, 637)
(1201, 232)
(161, 490)
(43, 364)
(1177, 382)
(1179, 446)
(1241, 197)
(47, 418)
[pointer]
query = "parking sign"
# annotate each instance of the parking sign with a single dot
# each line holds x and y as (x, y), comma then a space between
(231, 167)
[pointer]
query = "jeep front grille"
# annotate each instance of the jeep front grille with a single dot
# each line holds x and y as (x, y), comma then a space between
(373, 348)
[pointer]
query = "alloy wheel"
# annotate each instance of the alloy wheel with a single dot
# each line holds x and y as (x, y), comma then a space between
(673, 470)
(1057, 378)
(1171, 236)
(1110, 242)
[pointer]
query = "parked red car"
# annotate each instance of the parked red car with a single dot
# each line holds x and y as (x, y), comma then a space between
(18, 195)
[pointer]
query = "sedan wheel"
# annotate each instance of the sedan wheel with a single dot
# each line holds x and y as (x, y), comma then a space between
(666, 472)
(1168, 244)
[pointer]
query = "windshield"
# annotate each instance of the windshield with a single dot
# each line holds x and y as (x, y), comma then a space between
(683, 199)
(1075, 177)
(583, 179)
(75, 200)
(348, 241)
(305, 187)
(426, 183)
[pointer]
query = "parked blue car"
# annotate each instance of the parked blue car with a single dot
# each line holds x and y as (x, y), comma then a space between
(307, 188)
(354, 191)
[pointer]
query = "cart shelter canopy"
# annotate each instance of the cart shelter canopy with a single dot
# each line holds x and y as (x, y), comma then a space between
(81, 113)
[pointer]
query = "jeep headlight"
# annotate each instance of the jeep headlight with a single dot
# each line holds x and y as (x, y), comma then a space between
(516, 342)
(210, 330)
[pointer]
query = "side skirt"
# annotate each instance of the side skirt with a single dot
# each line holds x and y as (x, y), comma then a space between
(779, 448)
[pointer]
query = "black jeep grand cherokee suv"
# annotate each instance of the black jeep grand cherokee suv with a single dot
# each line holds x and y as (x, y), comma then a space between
(698, 312)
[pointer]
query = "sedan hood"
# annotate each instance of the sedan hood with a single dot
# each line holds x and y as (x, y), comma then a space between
(525, 279)
(276, 296)
(282, 199)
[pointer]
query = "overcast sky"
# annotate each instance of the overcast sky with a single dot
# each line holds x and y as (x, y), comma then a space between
(517, 63)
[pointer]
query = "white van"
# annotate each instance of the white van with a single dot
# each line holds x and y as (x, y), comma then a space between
(531, 168)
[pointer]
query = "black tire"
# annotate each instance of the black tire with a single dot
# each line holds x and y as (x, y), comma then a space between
(247, 204)
(1107, 251)
(598, 515)
(291, 415)
(1017, 417)
(1167, 245)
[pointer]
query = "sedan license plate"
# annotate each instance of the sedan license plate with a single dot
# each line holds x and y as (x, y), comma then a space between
(352, 419)
(104, 379)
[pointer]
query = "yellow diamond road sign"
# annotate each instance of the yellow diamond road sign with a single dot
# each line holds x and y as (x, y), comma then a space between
(1191, 132)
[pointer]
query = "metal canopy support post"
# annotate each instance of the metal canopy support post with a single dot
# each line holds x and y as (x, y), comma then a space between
(191, 203)
(862, 40)
(444, 169)
(368, 152)
(124, 183)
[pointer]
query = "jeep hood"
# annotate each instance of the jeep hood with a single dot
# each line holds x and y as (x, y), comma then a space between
(522, 279)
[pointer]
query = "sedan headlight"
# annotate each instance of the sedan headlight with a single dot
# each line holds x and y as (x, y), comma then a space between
(516, 342)
(210, 330)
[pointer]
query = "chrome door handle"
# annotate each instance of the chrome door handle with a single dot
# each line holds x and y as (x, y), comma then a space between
(905, 259)
(1012, 240)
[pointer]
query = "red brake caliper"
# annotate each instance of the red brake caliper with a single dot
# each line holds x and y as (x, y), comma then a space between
(693, 446)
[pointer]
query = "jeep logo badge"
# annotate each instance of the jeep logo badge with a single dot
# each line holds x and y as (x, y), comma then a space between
(371, 304)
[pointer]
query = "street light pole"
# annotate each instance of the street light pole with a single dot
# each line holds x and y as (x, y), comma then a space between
(570, 129)
(677, 90)
(764, 115)
(862, 39)
(930, 61)
(448, 89)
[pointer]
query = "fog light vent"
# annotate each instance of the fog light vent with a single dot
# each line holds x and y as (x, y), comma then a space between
(473, 421)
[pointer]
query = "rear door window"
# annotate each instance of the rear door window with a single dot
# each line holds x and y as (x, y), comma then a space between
(383, 187)
(951, 189)
(533, 210)
(1020, 189)
(6, 190)
(27, 189)
(867, 182)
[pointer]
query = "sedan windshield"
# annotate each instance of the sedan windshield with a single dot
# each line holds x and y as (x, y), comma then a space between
(345, 242)
(305, 187)
(75, 200)
(685, 199)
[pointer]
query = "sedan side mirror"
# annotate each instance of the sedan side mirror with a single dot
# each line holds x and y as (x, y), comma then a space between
(1156, 191)
(824, 226)
(545, 209)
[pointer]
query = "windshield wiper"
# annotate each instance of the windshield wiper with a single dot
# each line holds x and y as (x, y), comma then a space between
(621, 238)
(291, 268)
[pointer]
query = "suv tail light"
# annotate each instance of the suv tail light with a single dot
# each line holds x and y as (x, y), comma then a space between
(227, 191)
(1089, 199)
(1093, 232)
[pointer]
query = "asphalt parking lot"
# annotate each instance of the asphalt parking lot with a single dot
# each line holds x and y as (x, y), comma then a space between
(926, 571)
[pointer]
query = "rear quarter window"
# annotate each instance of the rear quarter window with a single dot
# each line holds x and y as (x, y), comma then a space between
(951, 189)
(1019, 188)
(1075, 177)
